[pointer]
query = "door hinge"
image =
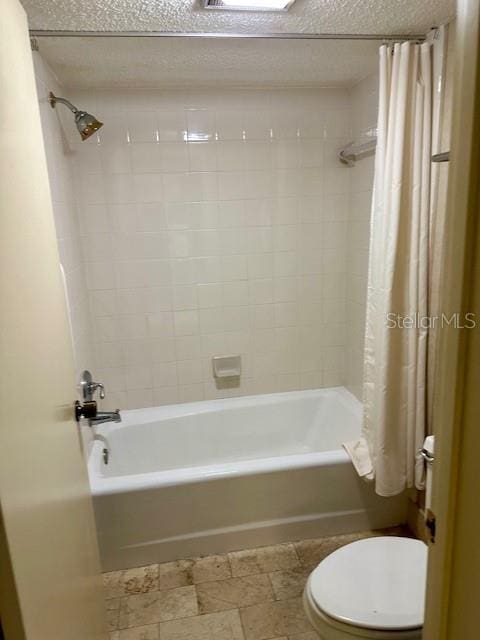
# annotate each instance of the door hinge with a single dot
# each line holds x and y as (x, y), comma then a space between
(431, 524)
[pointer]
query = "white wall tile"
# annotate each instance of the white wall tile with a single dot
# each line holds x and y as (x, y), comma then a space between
(188, 347)
(146, 157)
(164, 374)
(232, 185)
(148, 187)
(142, 126)
(159, 324)
(174, 157)
(257, 125)
(191, 393)
(142, 273)
(72, 168)
(115, 158)
(202, 156)
(189, 372)
(231, 155)
(186, 322)
(172, 125)
(200, 125)
(166, 395)
(210, 295)
(139, 398)
(120, 188)
(144, 300)
(230, 125)
(100, 275)
(150, 217)
(185, 297)
(138, 377)
(190, 187)
(218, 222)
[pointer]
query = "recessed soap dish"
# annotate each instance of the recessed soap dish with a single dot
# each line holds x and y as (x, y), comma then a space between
(227, 366)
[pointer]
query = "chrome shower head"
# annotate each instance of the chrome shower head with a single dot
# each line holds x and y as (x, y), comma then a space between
(86, 123)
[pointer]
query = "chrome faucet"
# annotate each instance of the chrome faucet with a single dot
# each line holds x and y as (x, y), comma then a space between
(89, 387)
(106, 416)
(88, 409)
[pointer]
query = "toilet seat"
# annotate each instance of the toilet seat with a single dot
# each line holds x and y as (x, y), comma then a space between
(330, 629)
(372, 588)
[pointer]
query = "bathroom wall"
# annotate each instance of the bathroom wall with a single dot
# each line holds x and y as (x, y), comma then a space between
(364, 107)
(214, 222)
(59, 154)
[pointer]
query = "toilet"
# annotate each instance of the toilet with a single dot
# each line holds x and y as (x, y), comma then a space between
(373, 588)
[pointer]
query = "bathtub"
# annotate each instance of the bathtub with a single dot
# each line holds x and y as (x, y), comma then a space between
(215, 476)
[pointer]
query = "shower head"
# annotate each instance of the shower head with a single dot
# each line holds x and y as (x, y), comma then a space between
(86, 123)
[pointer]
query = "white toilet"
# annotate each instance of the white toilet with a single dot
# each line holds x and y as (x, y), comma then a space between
(372, 588)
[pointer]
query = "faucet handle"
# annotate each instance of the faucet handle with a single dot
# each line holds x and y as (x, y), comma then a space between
(88, 386)
(94, 386)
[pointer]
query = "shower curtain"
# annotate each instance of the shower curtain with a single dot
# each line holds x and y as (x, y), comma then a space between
(395, 369)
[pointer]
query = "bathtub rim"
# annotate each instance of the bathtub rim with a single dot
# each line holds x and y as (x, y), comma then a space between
(101, 485)
(206, 406)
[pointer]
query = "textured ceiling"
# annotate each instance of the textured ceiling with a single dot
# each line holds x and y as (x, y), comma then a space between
(135, 62)
(328, 16)
(153, 62)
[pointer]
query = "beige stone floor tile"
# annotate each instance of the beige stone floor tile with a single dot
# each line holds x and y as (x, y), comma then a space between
(139, 610)
(177, 603)
(234, 593)
(112, 603)
(224, 625)
(112, 607)
(402, 531)
(130, 581)
(157, 606)
(289, 584)
(175, 574)
(148, 632)
(274, 619)
(263, 560)
(182, 573)
(211, 568)
(312, 552)
(112, 620)
(309, 635)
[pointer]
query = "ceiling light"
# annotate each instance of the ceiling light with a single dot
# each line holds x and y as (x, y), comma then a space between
(248, 5)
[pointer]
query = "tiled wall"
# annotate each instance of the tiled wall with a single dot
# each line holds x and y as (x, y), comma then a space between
(364, 104)
(214, 222)
(65, 212)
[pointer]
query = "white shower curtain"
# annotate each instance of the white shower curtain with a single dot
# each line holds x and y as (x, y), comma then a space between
(395, 372)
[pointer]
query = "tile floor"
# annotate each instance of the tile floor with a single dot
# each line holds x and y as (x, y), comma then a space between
(253, 594)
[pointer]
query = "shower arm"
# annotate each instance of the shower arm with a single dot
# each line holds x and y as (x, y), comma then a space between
(52, 98)
(85, 122)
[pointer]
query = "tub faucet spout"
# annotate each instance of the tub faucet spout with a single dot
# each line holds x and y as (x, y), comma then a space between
(106, 416)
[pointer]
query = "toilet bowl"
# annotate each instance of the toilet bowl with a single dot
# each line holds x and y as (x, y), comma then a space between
(372, 588)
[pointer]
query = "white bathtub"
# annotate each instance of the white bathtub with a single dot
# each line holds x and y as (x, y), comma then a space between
(220, 475)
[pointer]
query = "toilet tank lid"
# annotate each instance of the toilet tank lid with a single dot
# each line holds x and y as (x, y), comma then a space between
(375, 583)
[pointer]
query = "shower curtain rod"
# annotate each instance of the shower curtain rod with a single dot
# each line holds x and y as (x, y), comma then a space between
(39, 33)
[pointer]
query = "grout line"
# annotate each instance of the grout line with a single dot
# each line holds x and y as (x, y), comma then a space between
(241, 623)
(296, 554)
